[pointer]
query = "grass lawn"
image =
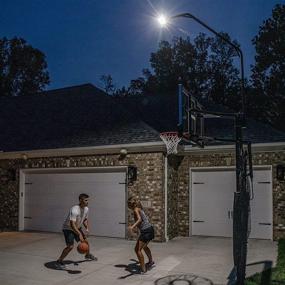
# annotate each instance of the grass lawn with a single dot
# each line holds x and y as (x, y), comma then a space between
(271, 276)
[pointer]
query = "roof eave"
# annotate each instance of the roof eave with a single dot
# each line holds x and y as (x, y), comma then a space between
(256, 147)
(92, 150)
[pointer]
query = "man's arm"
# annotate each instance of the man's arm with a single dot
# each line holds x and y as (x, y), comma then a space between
(76, 230)
(85, 224)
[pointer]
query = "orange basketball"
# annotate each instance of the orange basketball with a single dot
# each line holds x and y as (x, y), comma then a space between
(82, 247)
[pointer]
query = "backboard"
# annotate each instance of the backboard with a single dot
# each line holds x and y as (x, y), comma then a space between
(190, 121)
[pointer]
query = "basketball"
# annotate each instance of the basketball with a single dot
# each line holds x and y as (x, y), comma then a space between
(82, 247)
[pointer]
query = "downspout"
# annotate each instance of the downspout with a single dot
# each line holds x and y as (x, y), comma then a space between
(165, 197)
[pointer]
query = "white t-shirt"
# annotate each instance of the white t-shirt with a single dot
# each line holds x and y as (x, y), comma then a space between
(76, 214)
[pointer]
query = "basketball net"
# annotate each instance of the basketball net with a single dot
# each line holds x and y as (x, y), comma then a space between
(171, 140)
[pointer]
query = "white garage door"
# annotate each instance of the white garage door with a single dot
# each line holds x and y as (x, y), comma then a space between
(48, 198)
(212, 203)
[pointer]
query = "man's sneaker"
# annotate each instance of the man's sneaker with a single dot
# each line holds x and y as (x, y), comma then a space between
(150, 265)
(59, 265)
(91, 257)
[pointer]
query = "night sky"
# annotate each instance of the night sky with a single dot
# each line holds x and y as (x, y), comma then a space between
(84, 39)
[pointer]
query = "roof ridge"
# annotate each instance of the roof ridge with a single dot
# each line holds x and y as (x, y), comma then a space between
(71, 87)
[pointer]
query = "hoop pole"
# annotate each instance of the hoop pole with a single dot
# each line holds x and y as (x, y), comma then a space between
(180, 115)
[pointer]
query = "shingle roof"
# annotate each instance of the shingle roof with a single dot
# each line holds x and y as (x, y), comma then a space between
(84, 115)
(69, 117)
(160, 112)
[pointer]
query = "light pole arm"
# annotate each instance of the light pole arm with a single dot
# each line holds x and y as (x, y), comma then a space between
(237, 49)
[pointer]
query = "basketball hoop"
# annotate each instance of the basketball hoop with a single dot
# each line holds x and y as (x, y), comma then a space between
(171, 140)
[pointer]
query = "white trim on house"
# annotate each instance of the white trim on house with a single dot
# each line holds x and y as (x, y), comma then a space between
(131, 148)
(268, 147)
(104, 149)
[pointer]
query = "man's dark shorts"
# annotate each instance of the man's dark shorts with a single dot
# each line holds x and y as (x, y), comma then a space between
(70, 236)
(147, 234)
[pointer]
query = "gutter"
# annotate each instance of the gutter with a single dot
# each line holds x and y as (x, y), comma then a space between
(90, 150)
(157, 146)
(268, 147)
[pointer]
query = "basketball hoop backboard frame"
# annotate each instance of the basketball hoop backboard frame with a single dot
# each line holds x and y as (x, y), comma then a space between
(190, 122)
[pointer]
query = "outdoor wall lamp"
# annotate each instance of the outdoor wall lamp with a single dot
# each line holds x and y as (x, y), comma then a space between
(132, 174)
(280, 172)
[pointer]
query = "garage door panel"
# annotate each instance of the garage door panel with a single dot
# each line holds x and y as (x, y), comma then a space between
(212, 209)
(259, 230)
(212, 202)
(215, 229)
(109, 228)
(50, 196)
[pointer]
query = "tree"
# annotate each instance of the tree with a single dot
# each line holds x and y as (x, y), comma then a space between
(205, 65)
(108, 84)
(23, 69)
(224, 76)
(268, 72)
(137, 86)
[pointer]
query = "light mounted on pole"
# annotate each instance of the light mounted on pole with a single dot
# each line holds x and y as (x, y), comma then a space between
(241, 198)
(162, 20)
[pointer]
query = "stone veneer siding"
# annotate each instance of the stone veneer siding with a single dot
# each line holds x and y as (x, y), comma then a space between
(149, 185)
(178, 187)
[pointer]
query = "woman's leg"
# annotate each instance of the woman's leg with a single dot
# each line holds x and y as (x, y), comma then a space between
(138, 249)
(148, 252)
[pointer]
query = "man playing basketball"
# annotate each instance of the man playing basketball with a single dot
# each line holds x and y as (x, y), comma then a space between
(78, 216)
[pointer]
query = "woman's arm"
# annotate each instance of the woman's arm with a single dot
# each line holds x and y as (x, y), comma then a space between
(137, 218)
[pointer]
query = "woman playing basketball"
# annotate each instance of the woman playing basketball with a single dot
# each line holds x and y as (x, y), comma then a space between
(146, 233)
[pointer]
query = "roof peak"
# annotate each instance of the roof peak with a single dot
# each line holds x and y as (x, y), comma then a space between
(72, 87)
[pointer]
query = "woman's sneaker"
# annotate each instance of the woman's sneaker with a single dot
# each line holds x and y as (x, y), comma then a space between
(150, 265)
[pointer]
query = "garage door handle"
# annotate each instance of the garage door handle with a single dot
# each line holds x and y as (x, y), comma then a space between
(265, 224)
(122, 223)
(27, 217)
(197, 221)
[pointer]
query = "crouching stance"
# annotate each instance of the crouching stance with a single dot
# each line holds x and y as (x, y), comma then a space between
(72, 228)
(146, 234)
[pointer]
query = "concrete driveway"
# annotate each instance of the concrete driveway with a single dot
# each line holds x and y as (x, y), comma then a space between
(28, 258)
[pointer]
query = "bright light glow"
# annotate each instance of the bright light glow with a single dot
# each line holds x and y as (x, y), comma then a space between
(162, 20)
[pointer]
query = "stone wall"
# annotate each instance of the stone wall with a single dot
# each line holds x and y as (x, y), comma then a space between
(207, 159)
(149, 185)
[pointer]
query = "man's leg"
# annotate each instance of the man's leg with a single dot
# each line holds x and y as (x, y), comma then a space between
(69, 240)
(88, 255)
(65, 252)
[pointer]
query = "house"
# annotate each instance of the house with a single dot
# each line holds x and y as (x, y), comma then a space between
(59, 143)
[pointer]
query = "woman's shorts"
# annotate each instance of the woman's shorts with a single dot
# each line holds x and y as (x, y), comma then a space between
(147, 234)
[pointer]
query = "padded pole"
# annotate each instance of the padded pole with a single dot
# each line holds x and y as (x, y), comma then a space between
(180, 108)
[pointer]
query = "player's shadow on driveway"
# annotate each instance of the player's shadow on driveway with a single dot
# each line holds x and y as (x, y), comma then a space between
(53, 265)
(133, 268)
